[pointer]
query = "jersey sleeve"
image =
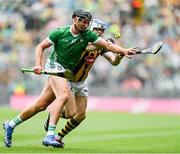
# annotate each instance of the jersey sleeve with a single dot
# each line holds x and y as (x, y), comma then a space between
(54, 35)
(93, 37)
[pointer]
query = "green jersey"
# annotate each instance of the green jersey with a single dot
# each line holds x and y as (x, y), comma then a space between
(68, 47)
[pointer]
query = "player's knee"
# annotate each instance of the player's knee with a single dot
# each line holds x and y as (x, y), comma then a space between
(63, 98)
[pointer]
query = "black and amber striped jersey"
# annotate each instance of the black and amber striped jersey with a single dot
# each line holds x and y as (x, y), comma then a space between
(86, 61)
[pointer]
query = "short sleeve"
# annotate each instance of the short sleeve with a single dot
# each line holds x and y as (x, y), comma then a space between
(93, 37)
(54, 35)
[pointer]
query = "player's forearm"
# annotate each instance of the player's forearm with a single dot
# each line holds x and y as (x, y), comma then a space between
(38, 56)
(115, 48)
(109, 46)
(39, 51)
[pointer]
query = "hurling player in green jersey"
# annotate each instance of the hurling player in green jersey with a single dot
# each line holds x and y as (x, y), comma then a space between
(75, 108)
(68, 42)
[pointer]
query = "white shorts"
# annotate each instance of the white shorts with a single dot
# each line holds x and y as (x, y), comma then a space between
(79, 88)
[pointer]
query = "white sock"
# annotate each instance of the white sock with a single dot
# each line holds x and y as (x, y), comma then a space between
(51, 129)
(14, 122)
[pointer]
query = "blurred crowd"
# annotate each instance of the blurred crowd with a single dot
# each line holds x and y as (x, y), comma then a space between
(142, 23)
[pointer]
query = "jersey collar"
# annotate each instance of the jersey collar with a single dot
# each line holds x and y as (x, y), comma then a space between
(75, 35)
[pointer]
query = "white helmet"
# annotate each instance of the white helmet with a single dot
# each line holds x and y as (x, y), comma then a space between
(96, 23)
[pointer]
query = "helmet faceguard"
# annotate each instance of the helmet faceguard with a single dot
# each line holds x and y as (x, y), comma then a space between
(96, 23)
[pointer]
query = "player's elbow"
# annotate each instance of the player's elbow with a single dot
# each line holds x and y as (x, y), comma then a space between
(40, 47)
(43, 45)
(108, 46)
(115, 60)
(114, 63)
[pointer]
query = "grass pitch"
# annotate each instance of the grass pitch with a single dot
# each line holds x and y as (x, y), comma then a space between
(101, 132)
